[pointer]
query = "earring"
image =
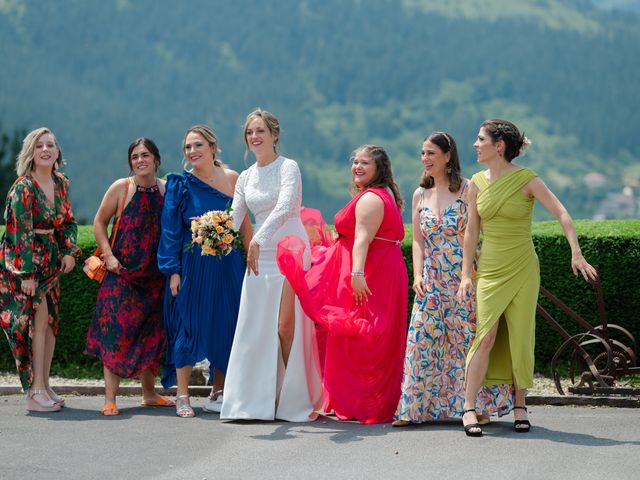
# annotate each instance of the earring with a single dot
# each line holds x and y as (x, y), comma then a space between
(448, 169)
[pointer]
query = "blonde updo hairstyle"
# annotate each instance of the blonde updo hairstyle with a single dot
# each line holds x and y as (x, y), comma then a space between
(270, 120)
(25, 159)
(210, 137)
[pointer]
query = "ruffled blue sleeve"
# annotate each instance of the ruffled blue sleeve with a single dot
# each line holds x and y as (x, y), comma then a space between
(171, 240)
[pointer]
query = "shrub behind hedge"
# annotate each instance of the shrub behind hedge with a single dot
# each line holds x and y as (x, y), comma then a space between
(612, 246)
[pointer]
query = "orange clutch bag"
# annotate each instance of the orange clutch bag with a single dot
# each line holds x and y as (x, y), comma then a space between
(94, 266)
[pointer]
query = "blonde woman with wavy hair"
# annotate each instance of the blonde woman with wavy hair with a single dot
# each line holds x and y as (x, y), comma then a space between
(24, 165)
(38, 245)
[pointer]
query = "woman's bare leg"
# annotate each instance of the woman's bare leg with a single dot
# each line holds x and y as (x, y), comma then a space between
(519, 401)
(111, 385)
(183, 375)
(218, 381)
(39, 345)
(475, 373)
(49, 347)
(286, 321)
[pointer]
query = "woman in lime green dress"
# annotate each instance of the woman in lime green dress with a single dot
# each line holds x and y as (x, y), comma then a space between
(508, 279)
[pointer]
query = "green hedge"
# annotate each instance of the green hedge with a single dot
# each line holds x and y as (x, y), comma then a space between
(78, 298)
(613, 246)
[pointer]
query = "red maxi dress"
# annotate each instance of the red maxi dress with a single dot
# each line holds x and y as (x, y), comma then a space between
(365, 344)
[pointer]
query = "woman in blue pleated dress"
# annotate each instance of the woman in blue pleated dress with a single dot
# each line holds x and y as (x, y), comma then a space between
(202, 294)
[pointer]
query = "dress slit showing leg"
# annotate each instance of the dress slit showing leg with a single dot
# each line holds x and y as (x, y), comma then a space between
(501, 341)
(293, 310)
(281, 366)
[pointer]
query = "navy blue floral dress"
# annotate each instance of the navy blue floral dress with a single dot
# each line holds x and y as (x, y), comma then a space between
(126, 331)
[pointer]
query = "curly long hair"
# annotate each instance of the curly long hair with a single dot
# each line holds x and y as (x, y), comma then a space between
(384, 175)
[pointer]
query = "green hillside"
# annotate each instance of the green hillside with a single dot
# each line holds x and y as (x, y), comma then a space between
(337, 74)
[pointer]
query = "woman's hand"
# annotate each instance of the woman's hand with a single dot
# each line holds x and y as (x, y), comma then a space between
(252, 257)
(360, 289)
(29, 287)
(174, 283)
(112, 263)
(579, 264)
(465, 289)
(418, 287)
(67, 264)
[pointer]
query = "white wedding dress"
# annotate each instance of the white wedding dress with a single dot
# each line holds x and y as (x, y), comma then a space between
(257, 385)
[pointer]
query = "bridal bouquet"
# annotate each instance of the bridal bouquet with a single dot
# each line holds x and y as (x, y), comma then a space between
(214, 232)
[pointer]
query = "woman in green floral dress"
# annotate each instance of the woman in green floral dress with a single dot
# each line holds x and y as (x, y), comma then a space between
(39, 244)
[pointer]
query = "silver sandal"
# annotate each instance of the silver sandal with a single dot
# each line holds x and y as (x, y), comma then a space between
(183, 407)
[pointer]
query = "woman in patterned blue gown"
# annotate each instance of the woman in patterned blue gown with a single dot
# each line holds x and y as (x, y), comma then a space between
(202, 293)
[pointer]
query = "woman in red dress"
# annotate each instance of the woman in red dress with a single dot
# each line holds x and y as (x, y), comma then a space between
(357, 292)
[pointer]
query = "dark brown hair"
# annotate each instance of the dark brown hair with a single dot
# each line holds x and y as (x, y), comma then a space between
(384, 174)
(445, 143)
(499, 129)
(149, 145)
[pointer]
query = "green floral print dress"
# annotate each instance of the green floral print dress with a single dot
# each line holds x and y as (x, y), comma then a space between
(26, 255)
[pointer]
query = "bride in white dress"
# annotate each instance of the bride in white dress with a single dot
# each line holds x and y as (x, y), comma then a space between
(273, 369)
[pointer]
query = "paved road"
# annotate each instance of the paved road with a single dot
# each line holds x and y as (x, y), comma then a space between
(77, 443)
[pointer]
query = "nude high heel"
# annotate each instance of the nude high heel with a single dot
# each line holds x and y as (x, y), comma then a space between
(57, 399)
(39, 401)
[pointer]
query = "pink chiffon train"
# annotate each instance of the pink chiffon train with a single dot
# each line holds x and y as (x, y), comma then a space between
(363, 345)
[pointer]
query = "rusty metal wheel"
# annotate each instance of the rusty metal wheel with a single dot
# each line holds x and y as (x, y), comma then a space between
(580, 348)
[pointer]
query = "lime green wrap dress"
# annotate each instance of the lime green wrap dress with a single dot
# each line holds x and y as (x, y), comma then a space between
(508, 277)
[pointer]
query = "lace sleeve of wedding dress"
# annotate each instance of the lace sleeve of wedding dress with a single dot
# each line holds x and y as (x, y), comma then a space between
(288, 204)
(239, 204)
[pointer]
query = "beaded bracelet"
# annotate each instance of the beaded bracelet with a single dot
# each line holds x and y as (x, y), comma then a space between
(357, 274)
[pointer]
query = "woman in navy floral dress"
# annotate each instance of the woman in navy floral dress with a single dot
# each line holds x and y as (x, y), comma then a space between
(126, 332)
(39, 244)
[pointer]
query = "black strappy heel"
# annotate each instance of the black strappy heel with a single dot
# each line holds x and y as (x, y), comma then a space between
(467, 428)
(517, 423)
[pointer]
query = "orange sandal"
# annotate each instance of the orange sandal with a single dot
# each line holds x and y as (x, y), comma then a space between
(161, 401)
(110, 410)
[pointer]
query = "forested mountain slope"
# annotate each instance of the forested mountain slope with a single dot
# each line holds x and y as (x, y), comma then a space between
(338, 73)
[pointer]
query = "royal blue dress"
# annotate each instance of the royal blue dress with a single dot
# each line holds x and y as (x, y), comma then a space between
(201, 320)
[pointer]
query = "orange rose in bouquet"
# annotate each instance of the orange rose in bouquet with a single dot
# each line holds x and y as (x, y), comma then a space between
(214, 232)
